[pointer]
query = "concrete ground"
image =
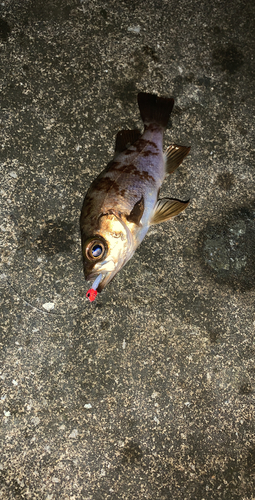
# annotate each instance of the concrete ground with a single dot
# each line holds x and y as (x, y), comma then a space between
(148, 393)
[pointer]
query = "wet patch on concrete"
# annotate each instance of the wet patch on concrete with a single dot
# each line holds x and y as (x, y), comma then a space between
(56, 237)
(228, 58)
(5, 29)
(227, 249)
(225, 181)
(42, 10)
(139, 64)
(124, 91)
(132, 453)
(245, 388)
(250, 462)
(151, 53)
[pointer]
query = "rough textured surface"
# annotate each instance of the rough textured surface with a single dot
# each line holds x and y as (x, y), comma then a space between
(149, 392)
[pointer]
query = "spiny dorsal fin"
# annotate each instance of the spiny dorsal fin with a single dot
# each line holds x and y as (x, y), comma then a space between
(174, 156)
(136, 212)
(166, 208)
(125, 138)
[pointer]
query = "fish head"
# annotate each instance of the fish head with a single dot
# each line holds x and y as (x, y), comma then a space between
(107, 249)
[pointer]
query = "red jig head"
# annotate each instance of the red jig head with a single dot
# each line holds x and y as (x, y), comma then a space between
(92, 292)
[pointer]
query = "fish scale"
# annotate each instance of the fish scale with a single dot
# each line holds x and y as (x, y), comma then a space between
(131, 175)
(122, 202)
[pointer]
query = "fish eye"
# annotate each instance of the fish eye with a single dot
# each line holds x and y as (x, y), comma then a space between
(95, 250)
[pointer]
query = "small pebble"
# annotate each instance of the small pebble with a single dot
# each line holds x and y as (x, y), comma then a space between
(49, 306)
(74, 433)
(134, 29)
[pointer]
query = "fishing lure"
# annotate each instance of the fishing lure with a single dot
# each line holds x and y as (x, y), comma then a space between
(92, 292)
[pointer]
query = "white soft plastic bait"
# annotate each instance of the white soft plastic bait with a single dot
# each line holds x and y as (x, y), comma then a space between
(92, 292)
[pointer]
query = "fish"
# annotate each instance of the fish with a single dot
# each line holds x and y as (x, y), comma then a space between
(123, 201)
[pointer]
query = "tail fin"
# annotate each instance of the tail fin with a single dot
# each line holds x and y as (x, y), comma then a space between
(155, 109)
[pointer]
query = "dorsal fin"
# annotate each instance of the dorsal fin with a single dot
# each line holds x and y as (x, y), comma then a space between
(125, 138)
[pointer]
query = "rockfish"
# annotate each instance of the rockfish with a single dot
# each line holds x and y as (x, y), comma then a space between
(123, 201)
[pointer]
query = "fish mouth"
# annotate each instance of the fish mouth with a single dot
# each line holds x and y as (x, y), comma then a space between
(107, 277)
(108, 274)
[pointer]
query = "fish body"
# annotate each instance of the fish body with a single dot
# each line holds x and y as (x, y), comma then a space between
(122, 202)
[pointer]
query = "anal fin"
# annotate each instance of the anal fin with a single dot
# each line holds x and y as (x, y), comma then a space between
(166, 208)
(174, 155)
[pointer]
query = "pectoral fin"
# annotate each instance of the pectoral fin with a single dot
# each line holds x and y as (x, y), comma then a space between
(137, 212)
(166, 208)
(125, 138)
(174, 156)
